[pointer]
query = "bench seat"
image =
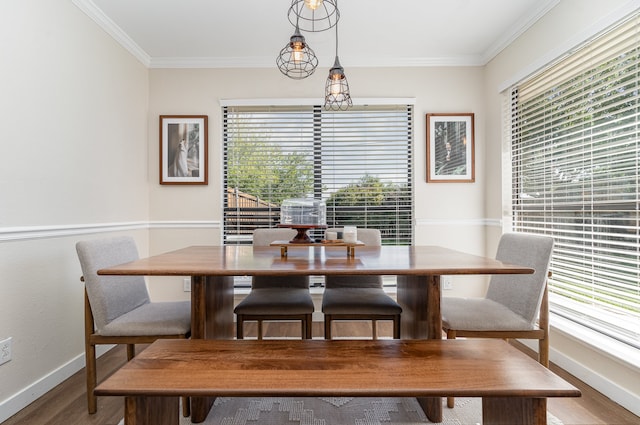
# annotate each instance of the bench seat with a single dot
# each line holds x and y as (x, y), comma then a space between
(513, 386)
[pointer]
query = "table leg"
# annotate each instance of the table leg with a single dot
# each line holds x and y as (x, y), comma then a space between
(219, 317)
(151, 410)
(514, 411)
(419, 297)
(211, 318)
(198, 307)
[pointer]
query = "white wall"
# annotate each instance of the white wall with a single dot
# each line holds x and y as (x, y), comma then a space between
(73, 113)
(568, 24)
(446, 214)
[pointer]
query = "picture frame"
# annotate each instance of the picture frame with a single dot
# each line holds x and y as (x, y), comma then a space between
(184, 149)
(450, 148)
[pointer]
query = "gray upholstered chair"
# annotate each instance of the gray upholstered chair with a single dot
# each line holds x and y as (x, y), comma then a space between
(513, 303)
(275, 298)
(359, 297)
(118, 309)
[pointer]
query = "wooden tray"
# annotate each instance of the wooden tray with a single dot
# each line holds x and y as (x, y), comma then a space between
(284, 245)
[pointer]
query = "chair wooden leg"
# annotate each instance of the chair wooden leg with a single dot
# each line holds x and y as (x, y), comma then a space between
(239, 327)
(307, 327)
(131, 351)
(186, 407)
(543, 351)
(259, 329)
(90, 356)
(327, 326)
(451, 334)
(396, 327)
(374, 329)
(543, 323)
(303, 329)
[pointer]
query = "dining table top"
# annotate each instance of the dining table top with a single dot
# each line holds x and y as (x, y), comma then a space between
(239, 260)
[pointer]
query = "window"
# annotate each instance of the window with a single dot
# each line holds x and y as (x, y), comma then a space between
(358, 161)
(575, 149)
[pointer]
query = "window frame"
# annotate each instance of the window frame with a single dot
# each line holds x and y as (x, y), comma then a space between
(228, 105)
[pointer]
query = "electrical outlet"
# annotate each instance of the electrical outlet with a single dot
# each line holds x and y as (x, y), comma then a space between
(5, 350)
(186, 284)
(446, 283)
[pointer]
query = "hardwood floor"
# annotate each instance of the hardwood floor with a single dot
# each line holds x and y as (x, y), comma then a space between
(66, 404)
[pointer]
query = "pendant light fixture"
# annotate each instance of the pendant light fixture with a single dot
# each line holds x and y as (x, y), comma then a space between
(314, 15)
(336, 90)
(296, 60)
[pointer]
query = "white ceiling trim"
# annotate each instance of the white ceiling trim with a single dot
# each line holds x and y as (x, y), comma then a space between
(617, 15)
(518, 29)
(111, 28)
(91, 10)
(349, 62)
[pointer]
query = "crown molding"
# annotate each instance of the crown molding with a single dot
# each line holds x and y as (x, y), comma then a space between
(95, 13)
(518, 29)
(111, 28)
(560, 49)
(352, 62)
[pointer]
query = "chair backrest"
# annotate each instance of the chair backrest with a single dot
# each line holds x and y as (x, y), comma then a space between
(370, 237)
(522, 293)
(110, 296)
(264, 237)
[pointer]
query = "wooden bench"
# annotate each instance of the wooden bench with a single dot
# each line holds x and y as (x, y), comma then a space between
(513, 386)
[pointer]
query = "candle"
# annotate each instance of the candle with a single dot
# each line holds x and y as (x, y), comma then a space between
(350, 234)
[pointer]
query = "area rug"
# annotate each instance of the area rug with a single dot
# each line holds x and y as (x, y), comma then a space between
(338, 411)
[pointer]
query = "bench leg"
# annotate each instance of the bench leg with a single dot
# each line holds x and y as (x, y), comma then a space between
(211, 318)
(514, 411)
(419, 297)
(151, 410)
(432, 408)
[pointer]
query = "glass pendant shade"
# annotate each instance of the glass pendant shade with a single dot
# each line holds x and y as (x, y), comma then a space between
(336, 92)
(296, 60)
(314, 15)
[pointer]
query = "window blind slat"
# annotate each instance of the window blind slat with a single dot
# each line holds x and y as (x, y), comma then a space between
(575, 164)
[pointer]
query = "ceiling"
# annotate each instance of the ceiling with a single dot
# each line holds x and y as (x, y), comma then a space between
(251, 33)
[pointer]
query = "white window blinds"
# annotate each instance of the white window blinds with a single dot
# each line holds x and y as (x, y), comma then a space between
(358, 161)
(575, 132)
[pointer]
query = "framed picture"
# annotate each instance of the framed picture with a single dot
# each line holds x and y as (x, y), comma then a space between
(183, 149)
(450, 148)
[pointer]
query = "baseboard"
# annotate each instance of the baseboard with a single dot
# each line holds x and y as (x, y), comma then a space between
(616, 393)
(31, 393)
(600, 383)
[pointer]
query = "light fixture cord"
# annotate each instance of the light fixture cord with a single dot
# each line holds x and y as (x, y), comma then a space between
(336, 31)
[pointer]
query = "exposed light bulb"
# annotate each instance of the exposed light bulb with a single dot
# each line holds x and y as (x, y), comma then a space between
(336, 86)
(313, 4)
(297, 53)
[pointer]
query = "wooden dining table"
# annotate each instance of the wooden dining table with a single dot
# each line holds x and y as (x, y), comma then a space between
(212, 270)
